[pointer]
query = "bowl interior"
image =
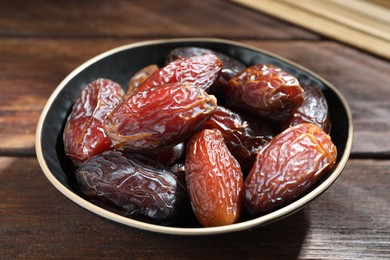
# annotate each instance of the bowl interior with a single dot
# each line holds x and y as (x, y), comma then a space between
(120, 64)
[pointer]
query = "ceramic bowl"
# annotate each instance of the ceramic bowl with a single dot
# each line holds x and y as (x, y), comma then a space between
(119, 65)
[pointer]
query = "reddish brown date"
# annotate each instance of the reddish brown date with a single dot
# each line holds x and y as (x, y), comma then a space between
(314, 109)
(201, 71)
(231, 67)
(133, 187)
(214, 179)
(292, 162)
(265, 91)
(160, 117)
(140, 77)
(244, 138)
(84, 135)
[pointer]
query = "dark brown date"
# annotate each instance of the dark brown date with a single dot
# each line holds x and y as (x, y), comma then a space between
(84, 135)
(214, 179)
(158, 118)
(265, 91)
(201, 71)
(133, 187)
(139, 77)
(314, 109)
(291, 163)
(244, 138)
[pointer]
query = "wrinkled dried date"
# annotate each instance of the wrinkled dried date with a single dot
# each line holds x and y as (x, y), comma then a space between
(214, 179)
(201, 71)
(84, 135)
(159, 118)
(265, 91)
(231, 67)
(292, 162)
(144, 191)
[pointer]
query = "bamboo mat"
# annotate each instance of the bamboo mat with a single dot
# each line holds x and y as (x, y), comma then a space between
(364, 24)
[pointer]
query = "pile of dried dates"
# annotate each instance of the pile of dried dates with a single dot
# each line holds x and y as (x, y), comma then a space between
(203, 135)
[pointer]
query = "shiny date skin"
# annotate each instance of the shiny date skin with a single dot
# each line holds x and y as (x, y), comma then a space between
(133, 187)
(84, 135)
(231, 67)
(291, 163)
(244, 138)
(265, 91)
(200, 71)
(314, 109)
(214, 179)
(158, 118)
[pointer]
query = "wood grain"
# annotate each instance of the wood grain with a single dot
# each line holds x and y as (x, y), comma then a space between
(357, 15)
(324, 21)
(121, 18)
(38, 222)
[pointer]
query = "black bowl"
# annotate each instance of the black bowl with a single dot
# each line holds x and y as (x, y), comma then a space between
(119, 65)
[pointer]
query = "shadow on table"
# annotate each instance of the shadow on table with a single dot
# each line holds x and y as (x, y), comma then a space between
(279, 240)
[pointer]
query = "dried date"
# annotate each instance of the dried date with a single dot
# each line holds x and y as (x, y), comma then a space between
(265, 91)
(231, 67)
(214, 179)
(133, 186)
(84, 135)
(158, 118)
(201, 71)
(292, 162)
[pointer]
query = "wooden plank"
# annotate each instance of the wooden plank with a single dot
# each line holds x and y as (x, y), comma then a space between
(359, 17)
(321, 25)
(349, 221)
(30, 70)
(122, 18)
(366, 8)
(383, 3)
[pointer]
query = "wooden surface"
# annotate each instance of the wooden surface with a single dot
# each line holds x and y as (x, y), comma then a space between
(42, 41)
(360, 23)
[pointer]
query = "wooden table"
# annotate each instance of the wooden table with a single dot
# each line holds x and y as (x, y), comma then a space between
(42, 41)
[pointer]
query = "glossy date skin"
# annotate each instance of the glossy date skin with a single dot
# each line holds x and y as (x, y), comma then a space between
(265, 91)
(133, 186)
(200, 71)
(158, 118)
(314, 109)
(292, 162)
(214, 179)
(231, 67)
(244, 138)
(84, 135)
